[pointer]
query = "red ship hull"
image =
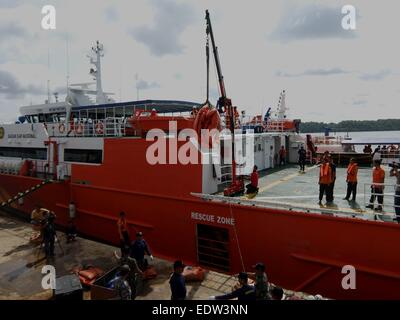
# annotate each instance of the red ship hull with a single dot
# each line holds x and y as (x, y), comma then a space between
(302, 252)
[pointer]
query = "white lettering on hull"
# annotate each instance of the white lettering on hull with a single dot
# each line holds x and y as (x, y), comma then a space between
(213, 219)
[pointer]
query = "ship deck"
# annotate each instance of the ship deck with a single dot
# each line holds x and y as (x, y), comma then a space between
(286, 187)
(21, 264)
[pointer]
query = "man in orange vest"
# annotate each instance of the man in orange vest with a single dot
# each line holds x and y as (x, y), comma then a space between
(352, 171)
(378, 178)
(123, 233)
(325, 179)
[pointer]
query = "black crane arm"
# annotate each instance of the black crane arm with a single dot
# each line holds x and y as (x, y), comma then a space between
(216, 56)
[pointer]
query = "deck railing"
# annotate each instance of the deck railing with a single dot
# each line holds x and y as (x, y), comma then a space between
(109, 127)
(387, 210)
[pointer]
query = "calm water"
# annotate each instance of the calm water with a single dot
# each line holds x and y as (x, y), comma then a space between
(370, 134)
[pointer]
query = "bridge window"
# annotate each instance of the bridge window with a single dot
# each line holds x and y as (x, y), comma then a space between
(84, 156)
(24, 153)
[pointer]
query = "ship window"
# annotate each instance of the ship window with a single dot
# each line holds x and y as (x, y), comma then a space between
(48, 118)
(74, 115)
(110, 113)
(128, 111)
(100, 114)
(24, 153)
(119, 112)
(83, 114)
(85, 156)
(60, 117)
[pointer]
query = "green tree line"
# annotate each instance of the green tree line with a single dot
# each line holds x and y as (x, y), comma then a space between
(352, 125)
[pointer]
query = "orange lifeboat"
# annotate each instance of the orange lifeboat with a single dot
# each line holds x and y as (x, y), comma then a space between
(144, 121)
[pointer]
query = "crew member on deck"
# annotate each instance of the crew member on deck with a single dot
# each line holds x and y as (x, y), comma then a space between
(261, 284)
(394, 172)
(351, 180)
(378, 178)
(245, 292)
(252, 187)
(282, 156)
(177, 282)
(302, 158)
(325, 179)
(138, 250)
(123, 232)
(331, 187)
(71, 232)
(49, 234)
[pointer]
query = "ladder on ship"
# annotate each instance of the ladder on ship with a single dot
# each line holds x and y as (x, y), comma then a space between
(25, 193)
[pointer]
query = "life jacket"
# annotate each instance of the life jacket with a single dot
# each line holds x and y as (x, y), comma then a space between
(378, 176)
(352, 171)
(325, 174)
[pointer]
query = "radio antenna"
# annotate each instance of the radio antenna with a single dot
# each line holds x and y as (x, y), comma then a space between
(67, 52)
(48, 79)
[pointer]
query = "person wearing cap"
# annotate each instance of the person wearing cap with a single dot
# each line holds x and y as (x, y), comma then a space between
(122, 286)
(139, 249)
(277, 293)
(244, 293)
(261, 282)
(177, 282)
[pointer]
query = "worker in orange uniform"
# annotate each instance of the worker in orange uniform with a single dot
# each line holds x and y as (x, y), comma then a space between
(123, 234)
(325, 179)
(252, 187)
(352, 171)
(282, 156)
(378, 179)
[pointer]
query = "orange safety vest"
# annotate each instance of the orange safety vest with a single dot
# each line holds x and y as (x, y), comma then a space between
(352, 171)
(378, 176)
(122, 226)
(325, 174)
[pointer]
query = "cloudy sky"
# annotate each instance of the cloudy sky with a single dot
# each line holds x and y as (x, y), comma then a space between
(330, 74)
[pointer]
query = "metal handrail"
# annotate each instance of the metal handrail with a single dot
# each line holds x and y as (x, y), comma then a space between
(368, 192)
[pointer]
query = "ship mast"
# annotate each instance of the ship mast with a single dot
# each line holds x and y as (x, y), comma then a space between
(282, 106)
(96, 73)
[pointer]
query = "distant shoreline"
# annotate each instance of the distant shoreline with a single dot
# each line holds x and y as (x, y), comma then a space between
(342, 130)
(351, 126)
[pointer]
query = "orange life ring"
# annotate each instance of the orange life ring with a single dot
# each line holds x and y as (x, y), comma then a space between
(99, 128)
(79, 128)
(61, 128)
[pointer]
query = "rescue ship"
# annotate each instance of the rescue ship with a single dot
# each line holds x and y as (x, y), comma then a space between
(86, 160)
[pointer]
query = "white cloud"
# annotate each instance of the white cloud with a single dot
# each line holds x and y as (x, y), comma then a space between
(323, 74)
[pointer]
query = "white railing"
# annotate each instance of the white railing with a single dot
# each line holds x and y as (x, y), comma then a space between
(388, 157)
(109, 127)
(304, 209)
(387, 209)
